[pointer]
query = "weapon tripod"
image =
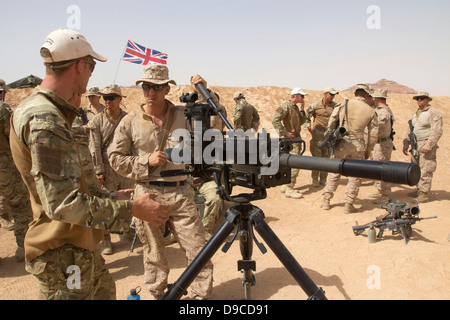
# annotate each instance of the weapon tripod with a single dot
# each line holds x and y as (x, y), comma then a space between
(243, 218)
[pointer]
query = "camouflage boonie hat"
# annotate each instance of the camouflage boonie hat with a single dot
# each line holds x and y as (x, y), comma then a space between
(331, 90)
(3, 86)
(422, 94)
(364, 87)
(112, 90)
(238, 95)
(94, 91)
(156, 74)
(380, 93)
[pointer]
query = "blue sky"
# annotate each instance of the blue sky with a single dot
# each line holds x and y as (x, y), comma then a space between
(246, 43)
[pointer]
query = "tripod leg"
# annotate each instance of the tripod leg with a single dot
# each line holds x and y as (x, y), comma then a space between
(176, 290)
(286, 258)
(246, 265)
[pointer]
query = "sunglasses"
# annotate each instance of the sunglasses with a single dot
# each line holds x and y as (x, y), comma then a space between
(92, 63)
(109, 98)
(156, 87)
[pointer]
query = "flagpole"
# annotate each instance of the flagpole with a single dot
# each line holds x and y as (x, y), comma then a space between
(118, 65)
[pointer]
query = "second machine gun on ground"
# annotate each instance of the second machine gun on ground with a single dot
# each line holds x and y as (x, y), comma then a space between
(399, 219)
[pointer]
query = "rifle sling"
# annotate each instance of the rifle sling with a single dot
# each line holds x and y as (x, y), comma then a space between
(166, 127)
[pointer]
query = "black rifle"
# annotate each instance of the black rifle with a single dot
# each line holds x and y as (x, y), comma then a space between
(399, 219)
(335, 136)
(133, 226)
(83, 116)
(332, 140)
(413, 140)
(391, 136)
(243, 217)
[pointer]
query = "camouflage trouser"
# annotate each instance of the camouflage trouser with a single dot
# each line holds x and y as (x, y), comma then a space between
(382, 152)
(213, 204)
(296, 149)
(316, 138)
(4, 207)
(428, 165)
(72, 273)
(187, 228)
(345, 150)
(115, 181)
(14, 190)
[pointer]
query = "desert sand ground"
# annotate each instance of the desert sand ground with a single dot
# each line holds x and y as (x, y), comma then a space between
(346, 266)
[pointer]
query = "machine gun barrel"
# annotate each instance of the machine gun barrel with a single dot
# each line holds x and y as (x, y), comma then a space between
(388, 171)
(204, 92)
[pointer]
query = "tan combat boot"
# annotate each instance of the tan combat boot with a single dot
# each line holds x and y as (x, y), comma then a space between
(291, 193)
(375, 195)
(325, 204)
(6, 224)
(414, 194)
(349, 208)
(20, 254)
(316, 183)
(422, 197)
(106, 244)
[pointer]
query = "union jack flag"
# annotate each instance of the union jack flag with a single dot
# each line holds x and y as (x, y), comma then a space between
(138, 54)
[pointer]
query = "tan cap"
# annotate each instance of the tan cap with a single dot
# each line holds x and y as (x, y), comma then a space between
(298, 91)
(238, 95)
(94, 91)
(156, 74)
(64, 45)
(421, 94)
(331, 90)
(3, 86)
(364, 87)
(380, 93)
(112, 90)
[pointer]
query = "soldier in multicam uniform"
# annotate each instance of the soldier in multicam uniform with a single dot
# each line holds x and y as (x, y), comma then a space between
(101, 133)
(82, 140)
(5, 220)
(288, 120)
(321, 112)
(12, 187)
(382, 150)
(137, 153)
(246, 116)
(4, 207)
(427, 123)
(95, 106)
(356, 117)
(68, 216)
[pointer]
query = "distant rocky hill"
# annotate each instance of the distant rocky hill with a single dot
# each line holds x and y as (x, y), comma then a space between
(389, 85)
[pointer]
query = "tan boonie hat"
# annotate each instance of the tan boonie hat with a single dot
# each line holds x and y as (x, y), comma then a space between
(238, 95)
(156, 74)
(3, 86)
(331, 90)
(421, 94)
(112, 90)
(298, 91)
(364, 87)
(380, 93)
(94, 91)
(63, 45)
